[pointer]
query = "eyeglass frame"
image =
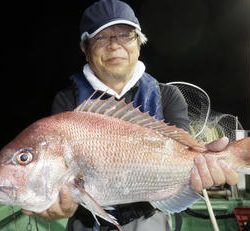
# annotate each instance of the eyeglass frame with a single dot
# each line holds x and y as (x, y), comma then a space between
(106, 39)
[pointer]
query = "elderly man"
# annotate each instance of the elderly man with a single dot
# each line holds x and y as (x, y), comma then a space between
(111, 40)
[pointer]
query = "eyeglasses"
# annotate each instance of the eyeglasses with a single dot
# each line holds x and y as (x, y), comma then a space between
(121, 38)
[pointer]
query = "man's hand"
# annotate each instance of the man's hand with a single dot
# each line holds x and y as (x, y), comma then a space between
(64, 207)
(209, 172)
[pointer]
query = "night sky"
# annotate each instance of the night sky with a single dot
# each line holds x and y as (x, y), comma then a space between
(202, 42)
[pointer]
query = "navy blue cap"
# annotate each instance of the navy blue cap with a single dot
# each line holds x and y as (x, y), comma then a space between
(105, 13)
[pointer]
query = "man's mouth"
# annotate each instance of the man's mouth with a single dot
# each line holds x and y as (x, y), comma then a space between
(115, 60)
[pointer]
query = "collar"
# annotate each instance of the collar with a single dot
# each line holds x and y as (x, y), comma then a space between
(97, 84)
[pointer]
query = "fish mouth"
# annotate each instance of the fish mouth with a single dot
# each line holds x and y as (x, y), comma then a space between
(4, 188)
(7, 193)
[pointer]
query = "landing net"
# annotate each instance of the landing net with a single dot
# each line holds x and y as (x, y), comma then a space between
(206, 124)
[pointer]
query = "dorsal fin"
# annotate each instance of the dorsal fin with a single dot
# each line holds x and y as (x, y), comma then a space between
(127, 112)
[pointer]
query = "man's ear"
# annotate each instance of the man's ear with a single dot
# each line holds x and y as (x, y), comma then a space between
(82, 46)
(84, 50)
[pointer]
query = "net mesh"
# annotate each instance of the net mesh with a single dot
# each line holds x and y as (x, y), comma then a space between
(206, 124)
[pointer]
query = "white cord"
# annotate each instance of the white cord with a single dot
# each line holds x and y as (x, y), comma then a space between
(210, 210)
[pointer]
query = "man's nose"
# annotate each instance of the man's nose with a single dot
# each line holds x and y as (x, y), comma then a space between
(114, 41)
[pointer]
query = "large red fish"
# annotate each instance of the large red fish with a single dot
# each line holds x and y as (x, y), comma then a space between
(110, 153)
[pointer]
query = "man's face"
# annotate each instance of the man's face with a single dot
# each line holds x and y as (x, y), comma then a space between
(113, 53)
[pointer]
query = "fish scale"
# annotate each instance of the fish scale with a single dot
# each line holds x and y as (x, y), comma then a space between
(108, 153)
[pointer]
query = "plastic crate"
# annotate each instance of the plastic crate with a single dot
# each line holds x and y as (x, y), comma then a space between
(243, 218)
(12, 219)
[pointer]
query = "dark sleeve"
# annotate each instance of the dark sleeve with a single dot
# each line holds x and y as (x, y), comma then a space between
(64, 101)
(175, 108)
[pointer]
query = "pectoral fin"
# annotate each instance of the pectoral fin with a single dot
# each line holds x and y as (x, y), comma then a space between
(89, 203)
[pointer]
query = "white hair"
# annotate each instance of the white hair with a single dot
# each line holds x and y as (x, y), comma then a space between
(142, 37)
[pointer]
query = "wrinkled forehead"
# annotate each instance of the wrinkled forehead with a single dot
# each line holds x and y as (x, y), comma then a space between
(116, 29)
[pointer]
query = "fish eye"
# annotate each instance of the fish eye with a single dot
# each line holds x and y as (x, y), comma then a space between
(23, 157)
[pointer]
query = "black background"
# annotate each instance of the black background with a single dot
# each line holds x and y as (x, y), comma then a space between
(203, 42)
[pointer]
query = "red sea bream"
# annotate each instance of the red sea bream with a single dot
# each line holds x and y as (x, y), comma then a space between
(110, 153)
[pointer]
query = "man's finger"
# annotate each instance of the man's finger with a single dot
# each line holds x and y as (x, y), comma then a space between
(196, 183)
(68, 206)
(218, 145)
(27, 212)
(204, 173)
(215, 170)
(232, 176)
